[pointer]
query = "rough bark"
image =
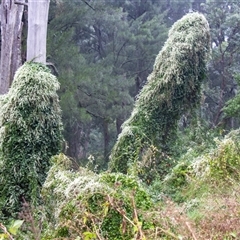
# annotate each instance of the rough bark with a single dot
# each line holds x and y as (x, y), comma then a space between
(37, 30)
(11, 29)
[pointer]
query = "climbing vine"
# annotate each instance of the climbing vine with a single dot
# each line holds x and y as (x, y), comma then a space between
(30, 133)
(85, 205)
(172, 88)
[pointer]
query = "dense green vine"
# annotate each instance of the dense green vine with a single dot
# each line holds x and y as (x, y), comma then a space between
(173, 88)
(31, 127)
(85, 205)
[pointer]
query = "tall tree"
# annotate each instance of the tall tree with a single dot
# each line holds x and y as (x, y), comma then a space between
(73, 72)
(148, 33)
(11, 30)
(110, 56)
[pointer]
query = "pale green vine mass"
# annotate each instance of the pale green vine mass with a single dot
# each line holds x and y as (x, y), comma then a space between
(172, 88)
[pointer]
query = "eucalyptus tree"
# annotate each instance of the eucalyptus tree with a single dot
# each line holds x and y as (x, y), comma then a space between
(148, 34)
(173, 87)
(37, 30)
(11, 30)
(11, 36)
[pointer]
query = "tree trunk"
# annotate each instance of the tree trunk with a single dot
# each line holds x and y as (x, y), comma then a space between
(77, 141)
(37, 30)
(11, 30)
(106, 139)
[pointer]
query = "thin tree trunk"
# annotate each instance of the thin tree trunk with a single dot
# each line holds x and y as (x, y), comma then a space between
(37, 30)
(106, 139)
(11, 30)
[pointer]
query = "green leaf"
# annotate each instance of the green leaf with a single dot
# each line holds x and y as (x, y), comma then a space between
(15, 226)
(135, 228)
(89, 235)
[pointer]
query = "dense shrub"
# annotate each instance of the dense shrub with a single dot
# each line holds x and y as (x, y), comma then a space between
(30, 134)
(194, 176)
(83, 205)
(86, 205)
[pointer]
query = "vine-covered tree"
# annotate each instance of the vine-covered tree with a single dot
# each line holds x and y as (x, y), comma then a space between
(173, 88)
(30, 134)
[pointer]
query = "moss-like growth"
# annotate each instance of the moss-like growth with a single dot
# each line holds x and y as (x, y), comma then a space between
(172, 89)
(86, 205)
(30, 134)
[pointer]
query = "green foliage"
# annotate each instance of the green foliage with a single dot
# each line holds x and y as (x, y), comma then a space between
(123, 183)
(172, 89)
(232, 107)
(224, 22)
(179, 176)
(13, 228)
(224, 164)
(194, 175)
(83, 204)
(30, 134)
(107, 51)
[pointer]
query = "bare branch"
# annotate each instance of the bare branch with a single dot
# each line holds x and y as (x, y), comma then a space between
(88, 5)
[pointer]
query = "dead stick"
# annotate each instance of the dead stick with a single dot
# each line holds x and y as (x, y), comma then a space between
(137, 221)
(191, 231)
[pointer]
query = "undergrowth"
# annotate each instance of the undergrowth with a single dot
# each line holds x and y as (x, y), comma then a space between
(199, 200)
(207, 187)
